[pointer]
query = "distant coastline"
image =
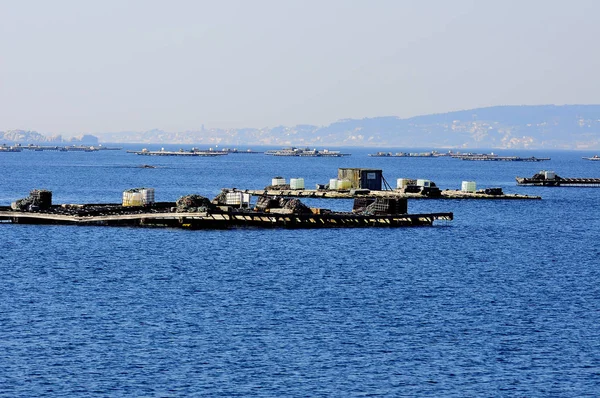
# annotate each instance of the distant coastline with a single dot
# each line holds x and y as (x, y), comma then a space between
(569, 127)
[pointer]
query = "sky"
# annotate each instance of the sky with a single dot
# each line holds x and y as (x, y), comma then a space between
(74, 67)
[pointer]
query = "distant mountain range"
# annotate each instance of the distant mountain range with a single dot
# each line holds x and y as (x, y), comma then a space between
(532, 127)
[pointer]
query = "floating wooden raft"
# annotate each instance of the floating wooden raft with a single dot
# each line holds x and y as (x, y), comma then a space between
(559, 182)
(179, 153)
(501, 158)
(447, 194)
(226, 219)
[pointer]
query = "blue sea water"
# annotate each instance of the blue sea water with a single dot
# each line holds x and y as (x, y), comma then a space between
(502, 301)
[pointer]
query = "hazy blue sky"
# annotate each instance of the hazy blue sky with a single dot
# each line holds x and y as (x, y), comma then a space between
(81, 66)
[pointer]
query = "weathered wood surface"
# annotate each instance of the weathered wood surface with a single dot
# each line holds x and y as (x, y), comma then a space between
(447, 194)
(559, 182)
(179, 153)
(204, 220)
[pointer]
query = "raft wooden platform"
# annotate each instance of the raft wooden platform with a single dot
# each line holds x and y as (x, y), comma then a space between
(232, 218)
(562, 182)
(501, 158)
(550, 179)
(447, 194)
(179, 153)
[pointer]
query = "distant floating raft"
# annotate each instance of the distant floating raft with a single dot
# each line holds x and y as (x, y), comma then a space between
(146, 152)
(502, 158)
(550, 179)
(350, 194)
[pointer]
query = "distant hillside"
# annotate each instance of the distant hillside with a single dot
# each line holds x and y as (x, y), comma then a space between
(544, 126)
(33, 137)
(541, 126)
(533, 127)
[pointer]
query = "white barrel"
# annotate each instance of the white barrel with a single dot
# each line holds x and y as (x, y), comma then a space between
(402, 182)
(147, 195)
(333, 183)
(132, 199)
(297, 183)
(246, 198)
(469, 186)
(137, 199)
(344, 184)
(233, 198)
(278, 181)
(126, 198)
(549, 175)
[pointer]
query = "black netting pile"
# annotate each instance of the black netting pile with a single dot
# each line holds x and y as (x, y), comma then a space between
(432, 191)
(220, 199)
(38, 199)
(295, 205)
(493, 191)
(266, 202)
(538, 176)
(193, 203)
(282, 187)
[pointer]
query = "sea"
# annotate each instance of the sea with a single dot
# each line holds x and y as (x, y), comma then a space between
(503, 301)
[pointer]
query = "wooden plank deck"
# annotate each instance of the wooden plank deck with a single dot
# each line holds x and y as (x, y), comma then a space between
(447, 194)
(562, 182)
(204, 220)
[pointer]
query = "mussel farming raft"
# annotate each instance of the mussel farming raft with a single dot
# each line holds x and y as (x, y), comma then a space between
(397, 193)
(197, 212)
(354, 183)
(551, 179)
